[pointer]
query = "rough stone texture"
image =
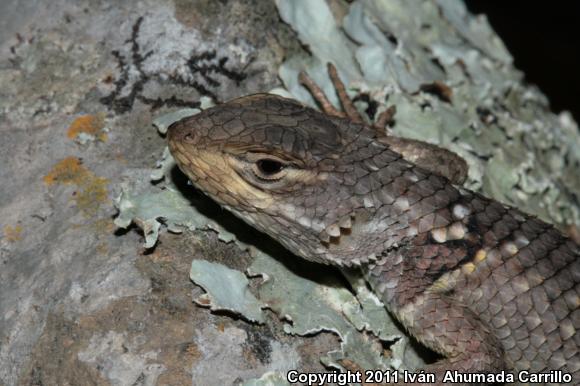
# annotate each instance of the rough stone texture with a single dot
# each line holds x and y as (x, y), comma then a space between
(80, 82)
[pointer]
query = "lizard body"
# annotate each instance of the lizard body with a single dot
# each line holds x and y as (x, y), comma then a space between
(483, 284)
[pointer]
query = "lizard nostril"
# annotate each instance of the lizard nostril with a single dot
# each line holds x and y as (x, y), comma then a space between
(182, 132)
(189, 136)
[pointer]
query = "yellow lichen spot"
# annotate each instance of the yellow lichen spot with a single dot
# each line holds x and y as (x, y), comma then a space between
(12, 233)
(68, 171)
(92, 189)
(468, 267)
(480, 256)
(89, 124)
(93, 193)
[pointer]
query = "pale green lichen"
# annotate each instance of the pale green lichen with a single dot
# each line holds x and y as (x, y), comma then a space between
(227, 290)
(163, 122)
(168, 206)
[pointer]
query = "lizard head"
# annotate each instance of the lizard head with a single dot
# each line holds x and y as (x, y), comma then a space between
(288, 170)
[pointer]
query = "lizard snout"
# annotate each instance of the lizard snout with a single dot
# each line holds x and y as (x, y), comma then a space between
(183, 131)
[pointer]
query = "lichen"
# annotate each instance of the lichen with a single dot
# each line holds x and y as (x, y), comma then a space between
(88, 127)
(91, 190)
(227, 289)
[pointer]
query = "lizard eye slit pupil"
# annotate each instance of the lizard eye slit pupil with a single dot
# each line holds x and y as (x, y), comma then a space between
(269, 167)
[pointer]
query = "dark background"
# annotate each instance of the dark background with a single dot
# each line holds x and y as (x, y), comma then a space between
(544, 39)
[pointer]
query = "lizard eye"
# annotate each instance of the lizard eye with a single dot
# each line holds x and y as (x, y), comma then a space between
(269, 166)
(269, 169)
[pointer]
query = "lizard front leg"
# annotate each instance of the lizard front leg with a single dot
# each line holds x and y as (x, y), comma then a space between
(434, 313)
(454, 331)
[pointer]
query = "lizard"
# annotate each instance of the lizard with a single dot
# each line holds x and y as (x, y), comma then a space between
(483, 284)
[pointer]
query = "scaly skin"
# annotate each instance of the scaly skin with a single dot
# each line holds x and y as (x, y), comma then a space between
(485, 285)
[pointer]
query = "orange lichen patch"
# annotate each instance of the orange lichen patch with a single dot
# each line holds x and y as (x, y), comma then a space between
(92, 189)
(12, 233)
(68, 171)
(88, 124)
(93, 194)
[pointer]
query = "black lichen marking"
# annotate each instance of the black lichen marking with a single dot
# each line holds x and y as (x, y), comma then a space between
(196, 64)
(173, 101)
(138, 59)
(205, 64)
(114, 100)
